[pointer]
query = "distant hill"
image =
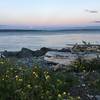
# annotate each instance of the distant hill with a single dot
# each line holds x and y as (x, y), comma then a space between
(12, 28)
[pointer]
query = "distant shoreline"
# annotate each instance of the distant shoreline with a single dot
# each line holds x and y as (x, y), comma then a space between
(62, 30)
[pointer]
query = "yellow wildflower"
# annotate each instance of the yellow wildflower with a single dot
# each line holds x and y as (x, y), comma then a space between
(1, 62)
(47, 77)
(35, 74)
(20, 80)
(3, 79)
(64, 93)
(29, 86)
(59, 95)
(78, 98)
(16, 77)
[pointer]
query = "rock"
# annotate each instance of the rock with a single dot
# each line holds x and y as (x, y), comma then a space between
(1, 55)
(79, 91)
(45, 49)
(98, 97)
(51, 63)
(29, 53)
(57, 67)
(65, 50)
(60, 67)
(9, 54)
(64, 58)
(25, 53)
(41, 52)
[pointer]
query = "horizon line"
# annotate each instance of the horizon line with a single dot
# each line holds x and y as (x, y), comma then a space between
(49, 30)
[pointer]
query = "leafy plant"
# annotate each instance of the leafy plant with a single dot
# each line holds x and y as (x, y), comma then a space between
(23, 83)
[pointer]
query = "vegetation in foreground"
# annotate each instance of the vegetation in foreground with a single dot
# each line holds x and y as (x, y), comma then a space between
(23, 83)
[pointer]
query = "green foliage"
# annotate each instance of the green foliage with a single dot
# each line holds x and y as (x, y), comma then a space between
(88, 65)
(23, 83)
(35, 83)
(90, 72)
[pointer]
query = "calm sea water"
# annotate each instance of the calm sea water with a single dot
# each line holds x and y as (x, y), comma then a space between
(13, 41)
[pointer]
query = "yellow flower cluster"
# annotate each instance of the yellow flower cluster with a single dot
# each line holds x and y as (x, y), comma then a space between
(29, 86)
(47, 77)
(18, 78)
(35, 74)
(59, 96)
(1, 62)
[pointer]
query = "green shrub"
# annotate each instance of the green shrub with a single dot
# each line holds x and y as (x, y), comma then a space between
(86, 65)
(23, 83)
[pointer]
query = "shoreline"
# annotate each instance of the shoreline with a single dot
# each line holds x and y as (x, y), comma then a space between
(68, 46)
(55, 58)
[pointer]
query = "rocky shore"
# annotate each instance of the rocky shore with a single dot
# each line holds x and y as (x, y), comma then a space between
(30, 58)
(53, 58)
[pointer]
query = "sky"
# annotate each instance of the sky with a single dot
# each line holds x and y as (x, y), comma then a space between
(49, 12)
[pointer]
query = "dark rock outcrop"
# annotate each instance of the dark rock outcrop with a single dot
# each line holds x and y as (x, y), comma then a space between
(25, 52)
(29, 53)
(41, 52)
(9, 54)
(65, 50)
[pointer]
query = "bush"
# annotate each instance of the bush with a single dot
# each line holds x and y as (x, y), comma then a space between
(81, 65)
(23, 83)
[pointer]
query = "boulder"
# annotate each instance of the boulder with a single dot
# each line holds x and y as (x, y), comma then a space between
(65, 50)
(25, 53)
(40, 52)
(29, 53)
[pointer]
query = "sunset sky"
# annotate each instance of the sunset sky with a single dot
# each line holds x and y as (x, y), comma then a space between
(49, 12)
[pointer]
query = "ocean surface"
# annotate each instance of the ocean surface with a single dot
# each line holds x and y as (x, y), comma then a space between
(14, 41)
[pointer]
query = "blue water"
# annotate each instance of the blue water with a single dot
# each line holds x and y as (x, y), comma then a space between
(13, 41)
